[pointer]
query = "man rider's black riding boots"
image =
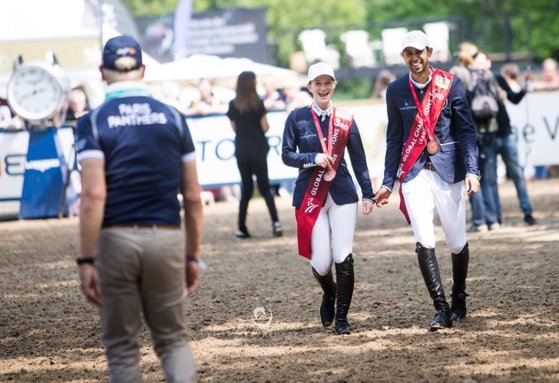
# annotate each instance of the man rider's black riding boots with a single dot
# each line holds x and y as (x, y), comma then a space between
(459, 274)
(344, 292)
(430, 271)
(328, 286)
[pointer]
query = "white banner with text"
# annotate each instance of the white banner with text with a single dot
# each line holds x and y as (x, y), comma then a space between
(535, 122)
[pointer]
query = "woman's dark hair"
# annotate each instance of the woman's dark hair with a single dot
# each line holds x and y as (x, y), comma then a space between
(247, 98)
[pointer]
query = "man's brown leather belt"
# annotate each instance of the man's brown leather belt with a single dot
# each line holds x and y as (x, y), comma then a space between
(143, 226)
(429, 166)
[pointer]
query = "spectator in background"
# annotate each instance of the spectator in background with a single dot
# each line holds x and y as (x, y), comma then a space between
(5, 114)
(248, 120)
(505, 143)
(549, 81)
(5, 117)
(272, 97)
(79, 104)
(550, 76)
(169, 93)
(484, 205)
(77, 107)
(207, 102)
(469, 59)
(464, 58)
(295, 97)
(8, 119)
(384, 78)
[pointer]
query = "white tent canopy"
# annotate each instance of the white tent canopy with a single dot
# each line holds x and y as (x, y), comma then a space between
(222, 70)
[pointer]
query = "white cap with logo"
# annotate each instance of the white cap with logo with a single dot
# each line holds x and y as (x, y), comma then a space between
(320, 69)
(416, 39)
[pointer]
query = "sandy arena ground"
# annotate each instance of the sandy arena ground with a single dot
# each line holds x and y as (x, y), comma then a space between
(49, 333)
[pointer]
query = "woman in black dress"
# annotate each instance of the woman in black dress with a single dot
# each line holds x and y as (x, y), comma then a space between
(248, 120)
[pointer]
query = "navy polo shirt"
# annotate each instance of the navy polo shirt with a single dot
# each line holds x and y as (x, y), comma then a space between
(143, 142)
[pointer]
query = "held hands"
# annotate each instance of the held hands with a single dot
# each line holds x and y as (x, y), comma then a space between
(381, 198)
(324, 160)
(367, 206)
(472, 184)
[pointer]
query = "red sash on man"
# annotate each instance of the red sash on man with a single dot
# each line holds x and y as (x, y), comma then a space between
(339, 126)
(423, 127)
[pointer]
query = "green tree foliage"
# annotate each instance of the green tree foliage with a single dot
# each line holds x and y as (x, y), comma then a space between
(150, 7)
(544, 15)
(535, 23)
(286, 18)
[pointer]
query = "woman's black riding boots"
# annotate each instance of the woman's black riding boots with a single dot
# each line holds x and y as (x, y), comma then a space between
(344, 291)
(328, 286)
(459, 274)
(430, 271)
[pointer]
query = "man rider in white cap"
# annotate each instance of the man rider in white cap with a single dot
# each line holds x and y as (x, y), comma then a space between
(431, 150)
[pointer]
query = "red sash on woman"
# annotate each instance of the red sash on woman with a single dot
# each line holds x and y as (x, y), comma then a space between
(339, 126)
(423, 127)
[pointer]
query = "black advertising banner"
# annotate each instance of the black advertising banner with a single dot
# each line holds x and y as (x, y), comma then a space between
(237, 32)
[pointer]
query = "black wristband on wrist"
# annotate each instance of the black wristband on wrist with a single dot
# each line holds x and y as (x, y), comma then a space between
(198, 261)
(82, 260)
(191, 259)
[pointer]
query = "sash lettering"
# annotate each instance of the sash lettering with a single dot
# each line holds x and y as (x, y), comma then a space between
(339, 127)
(423, 126)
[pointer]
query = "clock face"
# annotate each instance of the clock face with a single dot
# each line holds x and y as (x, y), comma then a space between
(35, 92)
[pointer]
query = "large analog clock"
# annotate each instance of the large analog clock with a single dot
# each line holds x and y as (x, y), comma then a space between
(38, 91)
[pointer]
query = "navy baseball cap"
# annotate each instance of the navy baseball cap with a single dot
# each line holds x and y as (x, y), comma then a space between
(122, 53)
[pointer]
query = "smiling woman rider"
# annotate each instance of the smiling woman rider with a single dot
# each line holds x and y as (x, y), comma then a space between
(325, 197)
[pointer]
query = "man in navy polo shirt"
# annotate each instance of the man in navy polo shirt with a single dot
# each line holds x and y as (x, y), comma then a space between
(136, 155)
